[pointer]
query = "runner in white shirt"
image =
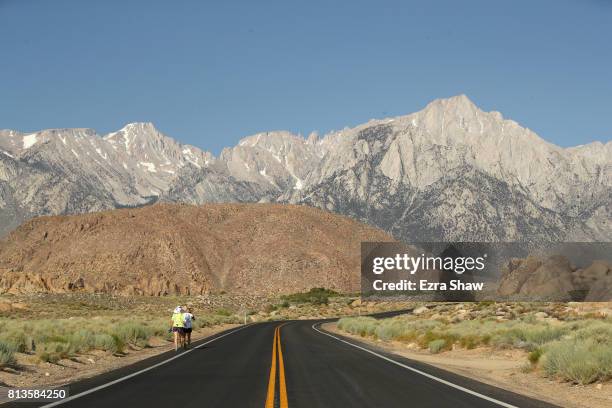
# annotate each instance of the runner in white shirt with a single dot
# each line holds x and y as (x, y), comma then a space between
(188, 319)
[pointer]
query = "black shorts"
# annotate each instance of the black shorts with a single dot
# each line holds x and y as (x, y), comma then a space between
(187, 330)
(179, 330)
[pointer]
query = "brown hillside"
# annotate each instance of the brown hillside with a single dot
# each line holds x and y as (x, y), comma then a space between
(182, 249)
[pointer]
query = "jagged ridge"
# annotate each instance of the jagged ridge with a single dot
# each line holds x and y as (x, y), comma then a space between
(450, 171)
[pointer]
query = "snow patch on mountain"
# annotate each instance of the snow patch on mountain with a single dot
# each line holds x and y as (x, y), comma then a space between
(30, 140)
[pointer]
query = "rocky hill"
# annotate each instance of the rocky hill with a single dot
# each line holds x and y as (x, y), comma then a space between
(448, 172)
(181, 249)
(556, 278)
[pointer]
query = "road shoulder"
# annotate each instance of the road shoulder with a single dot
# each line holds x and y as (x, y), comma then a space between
(495, 369)
(88, 368)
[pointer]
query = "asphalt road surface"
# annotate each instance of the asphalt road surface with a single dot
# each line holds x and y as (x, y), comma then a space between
(284, 364)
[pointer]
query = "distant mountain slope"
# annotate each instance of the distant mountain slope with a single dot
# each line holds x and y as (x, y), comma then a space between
(447, 172)
(453, 172)
(180, 249)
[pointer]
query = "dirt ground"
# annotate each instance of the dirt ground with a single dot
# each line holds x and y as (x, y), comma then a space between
(502, 369)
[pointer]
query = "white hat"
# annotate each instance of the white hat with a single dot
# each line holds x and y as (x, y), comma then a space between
(178, 309)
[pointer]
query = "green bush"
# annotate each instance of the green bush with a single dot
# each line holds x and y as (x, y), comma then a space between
(119, 343)
(7, 357)
(539, 336)
(223, 312)
(315, 296)
(526, 335)
(53, 352)
(81, 341)
(363, 326)
(436, 346)
(106, 342)
(16, 340)
(534, 356)
(471, 341)
(133, 333)
(581, 362)
(390, 330)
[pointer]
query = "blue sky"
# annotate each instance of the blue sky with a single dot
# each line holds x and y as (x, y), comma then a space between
(209, 73)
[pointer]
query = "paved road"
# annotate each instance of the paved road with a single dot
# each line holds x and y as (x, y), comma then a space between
(311, 369)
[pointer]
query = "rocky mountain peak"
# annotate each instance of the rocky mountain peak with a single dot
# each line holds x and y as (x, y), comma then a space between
(133, 133)
(454, 103)
(313, 138)
(431, 171)
(270, 139)
(154, 151)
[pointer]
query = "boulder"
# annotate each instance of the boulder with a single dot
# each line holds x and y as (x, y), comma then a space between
(516, 273)
(5, 307)
(420, 310)
(597, 280)
(599, 270)
(552, 280)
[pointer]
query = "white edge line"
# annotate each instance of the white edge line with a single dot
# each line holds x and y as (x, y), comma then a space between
(450, 384)
(144, 370)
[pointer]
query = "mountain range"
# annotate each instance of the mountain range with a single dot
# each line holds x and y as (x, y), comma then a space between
(448, 172)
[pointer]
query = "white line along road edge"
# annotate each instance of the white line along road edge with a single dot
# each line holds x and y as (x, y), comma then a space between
(450, 384)
(144, 370)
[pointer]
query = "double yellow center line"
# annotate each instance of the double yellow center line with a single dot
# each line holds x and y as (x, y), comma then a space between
(282, 385)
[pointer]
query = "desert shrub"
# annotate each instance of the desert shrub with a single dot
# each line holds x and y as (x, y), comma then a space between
(53, 352)
(82, 340)
(542, 335)
(133, 333)
(431, 335)
(160, 327)
(470, 341)
(315, 296)
(7, 357)
(503, 339)
(364, 326)
(119, 343)
(223, 312)
(105, 342)
(534, 355)
(581, 362)
(526, 335)
(389, 330)
(436, 346)
(16, 340)
(597, 331)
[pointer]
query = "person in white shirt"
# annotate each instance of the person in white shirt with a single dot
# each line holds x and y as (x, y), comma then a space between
(188, 319)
